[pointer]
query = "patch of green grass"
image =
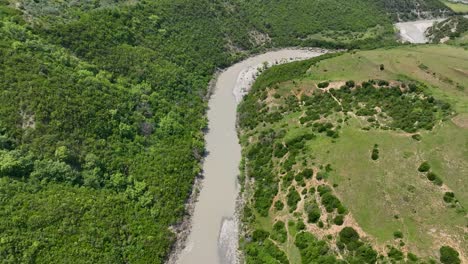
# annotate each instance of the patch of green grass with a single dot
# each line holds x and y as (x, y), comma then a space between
(456, 7)
(376, 192)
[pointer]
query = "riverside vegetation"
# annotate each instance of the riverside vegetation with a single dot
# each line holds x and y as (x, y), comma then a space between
(357, 157)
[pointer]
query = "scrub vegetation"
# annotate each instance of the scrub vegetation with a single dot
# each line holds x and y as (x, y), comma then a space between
(368, 160)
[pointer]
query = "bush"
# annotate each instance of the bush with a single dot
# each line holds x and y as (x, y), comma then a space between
(341, 209)
(313, 215)
(293, 198)
(366, 254)
(397, 234)
(424, 167)
(348, 235)
(323, 85)
(350, 84)
(307, 173)
(395, 254)
(375, 153)
(279, 205)
(449, 197)
(312, 190)
(338, 220)
(412, 257)
(416, 137)
(330, 202)
(48, 170)
(431, 176)
(449, 255)
(320, 224)
(260, 235)
(300, 225)
(323, 189)
(279, 232)
(313, 250)
(321, 175)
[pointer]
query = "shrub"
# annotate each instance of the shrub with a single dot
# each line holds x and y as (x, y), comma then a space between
(382, 83)
(375, 154)
(449, 255)
(312, 190)
(366, 254)
(341, 209)
(382, 67)
(300, 225)
(260, 235)
(449, 197)
(417, 137)
(293, 198)
(338, 220)
(340, 245)
(397, 234)
(279, 205)
(307, 173)
(323, 85)
(412, 257)
(299, 178)
(395, 254)
(424, 167)
(313, 215)
(320, 224)
(330, 202)
(313, 250)
(322, 189)
(431, 176)
(350, 84)
(58, 171)
(348, 235)
(321, 175)
(279, 232)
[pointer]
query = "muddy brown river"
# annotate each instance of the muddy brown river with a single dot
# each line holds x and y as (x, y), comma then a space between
(214, 229)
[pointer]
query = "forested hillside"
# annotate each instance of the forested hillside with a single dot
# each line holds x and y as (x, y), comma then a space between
(102, 112)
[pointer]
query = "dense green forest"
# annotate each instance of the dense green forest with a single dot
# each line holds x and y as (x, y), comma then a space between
(102, 114)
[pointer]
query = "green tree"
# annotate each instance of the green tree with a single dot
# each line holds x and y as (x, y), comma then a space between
(448, 255)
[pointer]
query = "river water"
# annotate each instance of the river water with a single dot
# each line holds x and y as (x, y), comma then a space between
(214, 231)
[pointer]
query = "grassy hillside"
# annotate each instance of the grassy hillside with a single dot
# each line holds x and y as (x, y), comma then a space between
(102, 117)
(374, 141)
